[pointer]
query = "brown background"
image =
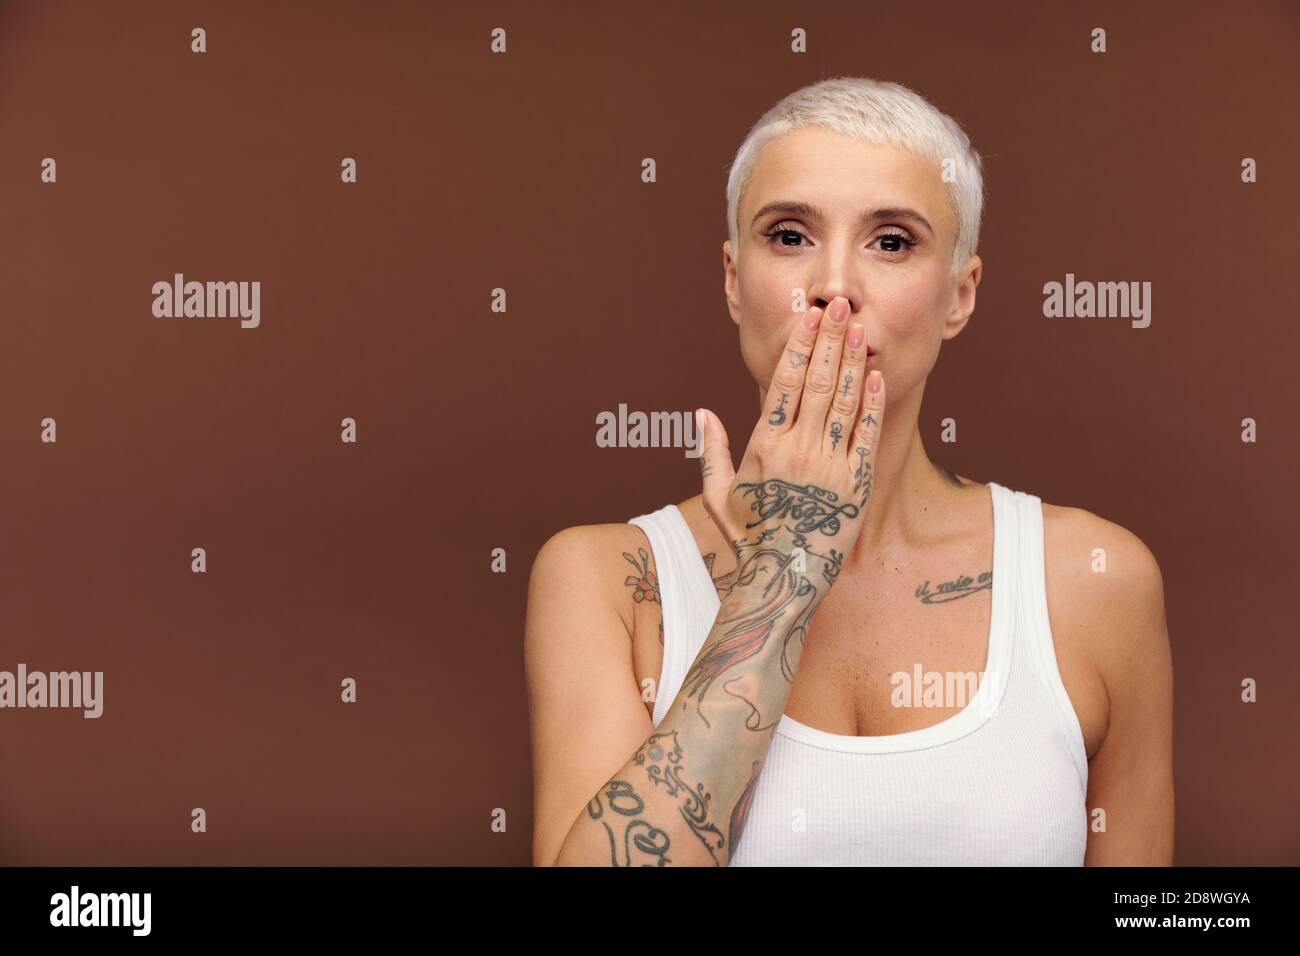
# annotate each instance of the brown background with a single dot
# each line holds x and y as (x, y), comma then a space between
(476, 430)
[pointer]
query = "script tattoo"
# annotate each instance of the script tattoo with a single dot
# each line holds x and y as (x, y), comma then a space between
(812, 508)
(664, 767)
(958, 587)
(637, 835)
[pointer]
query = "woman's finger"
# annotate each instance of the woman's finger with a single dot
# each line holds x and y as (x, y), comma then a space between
(823, 373)
(840, 420)
(783, 395)
(866, 437)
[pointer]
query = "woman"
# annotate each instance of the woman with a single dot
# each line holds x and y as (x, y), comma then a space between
(982, 684)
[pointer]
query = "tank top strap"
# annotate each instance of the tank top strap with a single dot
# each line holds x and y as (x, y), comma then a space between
(687, 598)
(1039, 646)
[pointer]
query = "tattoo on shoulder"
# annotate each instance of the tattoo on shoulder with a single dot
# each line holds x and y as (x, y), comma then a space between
(645, 584)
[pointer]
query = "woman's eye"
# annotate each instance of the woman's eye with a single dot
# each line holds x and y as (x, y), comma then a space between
(895, 243)
(784, 237)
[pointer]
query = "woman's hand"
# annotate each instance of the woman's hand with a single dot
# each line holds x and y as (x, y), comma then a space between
(806, 478)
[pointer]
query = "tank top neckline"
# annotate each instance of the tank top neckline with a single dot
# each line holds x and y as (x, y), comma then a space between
(998, 653)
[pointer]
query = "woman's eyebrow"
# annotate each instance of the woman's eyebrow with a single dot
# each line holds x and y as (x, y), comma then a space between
(807, 209)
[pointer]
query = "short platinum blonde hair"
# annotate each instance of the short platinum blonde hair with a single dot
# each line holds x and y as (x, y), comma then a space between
(880, 112)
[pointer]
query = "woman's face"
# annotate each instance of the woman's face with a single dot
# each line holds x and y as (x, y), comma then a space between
(893, 266)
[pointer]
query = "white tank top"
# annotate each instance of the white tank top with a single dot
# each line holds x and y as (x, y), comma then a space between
(1000, 783)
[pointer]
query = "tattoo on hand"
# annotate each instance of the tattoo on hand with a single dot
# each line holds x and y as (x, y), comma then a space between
(778, 413)
(862, 475)
(813, 508)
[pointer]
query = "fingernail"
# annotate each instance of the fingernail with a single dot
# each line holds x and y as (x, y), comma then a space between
(841, 313)
(873, 381)
(812, 318)
(856, 335)
(699, 420)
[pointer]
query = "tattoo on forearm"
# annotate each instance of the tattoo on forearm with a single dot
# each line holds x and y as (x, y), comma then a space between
(740, 813)
(958, 587)
(744, 627)
(639, 838)
(621, 810)
(661, 756)
(721, 583)
(773, 595)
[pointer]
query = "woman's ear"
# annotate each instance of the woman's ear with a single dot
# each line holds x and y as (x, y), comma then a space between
(963, 298)
(730, 286)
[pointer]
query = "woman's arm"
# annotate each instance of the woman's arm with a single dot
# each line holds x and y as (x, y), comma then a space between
(1131, 775)
(682, 796)
(585, 710)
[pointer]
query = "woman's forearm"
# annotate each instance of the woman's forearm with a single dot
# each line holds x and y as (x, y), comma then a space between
(683, 796)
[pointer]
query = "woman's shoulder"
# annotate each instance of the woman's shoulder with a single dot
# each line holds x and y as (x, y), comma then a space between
(1071, 532)
(611, 563)
(1106, 605)
(1104, 587)
(1095, 562)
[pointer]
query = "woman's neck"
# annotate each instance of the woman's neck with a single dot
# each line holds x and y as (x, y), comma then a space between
(910, 494)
